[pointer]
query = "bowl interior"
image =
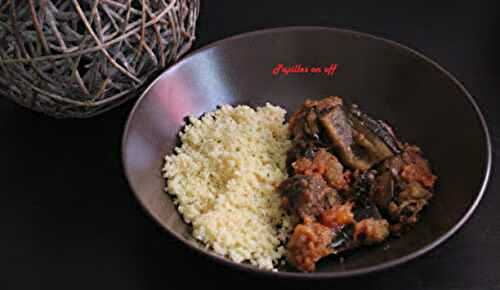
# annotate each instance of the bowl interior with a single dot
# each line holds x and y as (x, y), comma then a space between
(424, 105)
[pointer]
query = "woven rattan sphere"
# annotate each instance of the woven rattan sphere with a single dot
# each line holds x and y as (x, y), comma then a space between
(79, 58)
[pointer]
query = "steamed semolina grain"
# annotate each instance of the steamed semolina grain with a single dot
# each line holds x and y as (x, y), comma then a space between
(223, 179)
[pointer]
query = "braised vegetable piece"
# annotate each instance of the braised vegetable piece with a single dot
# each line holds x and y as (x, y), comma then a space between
(309, 242)
(324, 164)
(402, 188)
(338, 216)
(305, 195)
(416, 168)
(384, 189)
(366, 217)
(352, 182)
(359, 140)
(303, 123)
(370, 231)
(341, 136)
(379, 128)
(305, 129)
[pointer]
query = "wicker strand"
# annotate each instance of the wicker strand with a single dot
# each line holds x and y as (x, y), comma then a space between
(80, 58)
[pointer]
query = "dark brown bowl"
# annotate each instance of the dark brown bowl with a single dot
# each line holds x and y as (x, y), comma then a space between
(424, 103)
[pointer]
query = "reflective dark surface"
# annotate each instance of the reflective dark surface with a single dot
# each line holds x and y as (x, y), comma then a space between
(422, 102)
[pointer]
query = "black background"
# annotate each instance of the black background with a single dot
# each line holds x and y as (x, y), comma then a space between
(69, 221)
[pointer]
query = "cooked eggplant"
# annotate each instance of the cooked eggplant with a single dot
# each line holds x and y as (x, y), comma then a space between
(405, 209)
(352, 182)
(364, 232)
(360, 194)
(382, 192)
(368, 225)
(368, 144)
(344, 239)
(401, 188)
(379, 128)
(359, 140)
(341, 136)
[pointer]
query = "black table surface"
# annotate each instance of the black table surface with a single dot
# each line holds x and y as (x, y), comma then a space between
(68, 219)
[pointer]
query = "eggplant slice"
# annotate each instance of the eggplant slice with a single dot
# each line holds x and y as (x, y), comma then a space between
(369, 226)
(383, 131)
(358, 140)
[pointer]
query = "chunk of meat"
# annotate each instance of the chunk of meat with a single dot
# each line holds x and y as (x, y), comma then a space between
(338, 215)
(370, 231)
(309, 242)
(324, 164)
(307, 195)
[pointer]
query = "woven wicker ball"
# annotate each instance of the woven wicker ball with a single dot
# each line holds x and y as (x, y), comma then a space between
(79, 58)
